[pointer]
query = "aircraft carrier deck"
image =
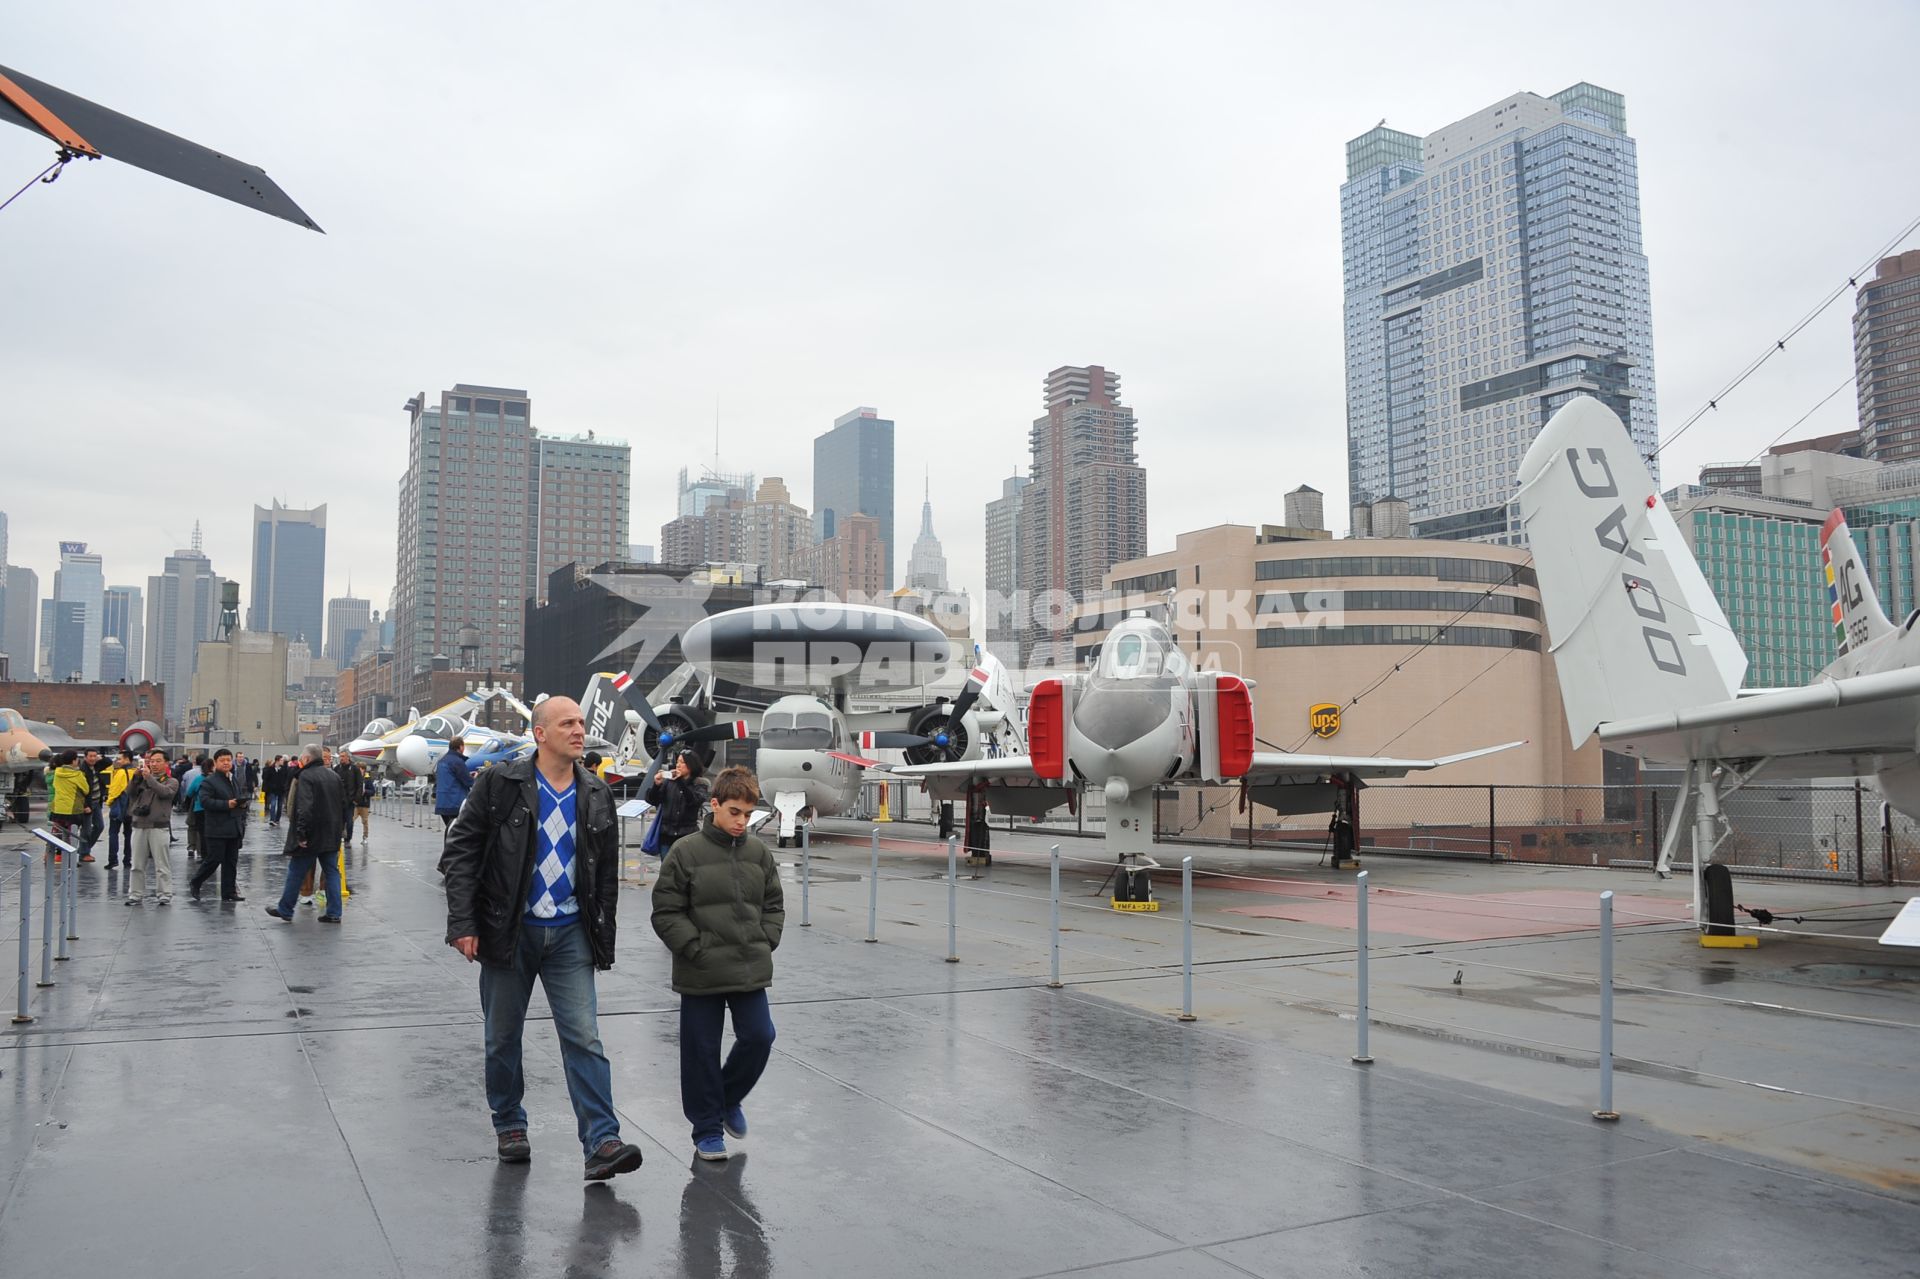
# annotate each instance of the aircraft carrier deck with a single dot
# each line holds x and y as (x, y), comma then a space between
(207, 1091)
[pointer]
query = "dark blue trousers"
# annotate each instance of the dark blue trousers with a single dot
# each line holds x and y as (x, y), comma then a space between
(708, 1088)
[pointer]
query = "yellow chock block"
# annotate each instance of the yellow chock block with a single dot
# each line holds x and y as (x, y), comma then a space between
(1729, 943)
(1134, 906)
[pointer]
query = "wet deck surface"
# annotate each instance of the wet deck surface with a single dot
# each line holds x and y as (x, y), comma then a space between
(209, 1092)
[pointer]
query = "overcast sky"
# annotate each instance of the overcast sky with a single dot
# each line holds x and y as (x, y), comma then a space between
(641, 211)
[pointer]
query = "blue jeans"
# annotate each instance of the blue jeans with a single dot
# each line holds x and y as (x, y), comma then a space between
(562, 959)
(298, 868)
(708, 1089)
(274, 800)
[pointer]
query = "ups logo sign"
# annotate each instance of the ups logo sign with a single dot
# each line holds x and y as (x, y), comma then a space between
(1324, 718)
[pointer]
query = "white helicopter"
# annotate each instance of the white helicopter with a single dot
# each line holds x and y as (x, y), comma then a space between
(814, 672)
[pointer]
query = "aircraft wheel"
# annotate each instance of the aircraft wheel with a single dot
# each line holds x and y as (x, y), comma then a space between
(783, 841)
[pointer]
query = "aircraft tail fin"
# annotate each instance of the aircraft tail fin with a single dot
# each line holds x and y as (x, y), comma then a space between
(1635, 629)
(1855, 609)
(604, 707)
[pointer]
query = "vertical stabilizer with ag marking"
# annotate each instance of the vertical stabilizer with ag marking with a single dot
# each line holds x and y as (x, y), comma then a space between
(1635, 628)
(1851, 602)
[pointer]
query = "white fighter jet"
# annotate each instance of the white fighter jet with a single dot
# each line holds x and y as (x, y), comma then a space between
(1144, 718)
(1648, 661)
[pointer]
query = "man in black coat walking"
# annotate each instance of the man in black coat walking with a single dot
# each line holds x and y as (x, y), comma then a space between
(313, 836)
(533, 884)
(223, 820)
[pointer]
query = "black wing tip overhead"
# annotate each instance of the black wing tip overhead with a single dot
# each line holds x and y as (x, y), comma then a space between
(123, 138)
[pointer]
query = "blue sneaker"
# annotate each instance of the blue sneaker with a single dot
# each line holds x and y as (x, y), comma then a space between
(710, 1148)
(736, 1124)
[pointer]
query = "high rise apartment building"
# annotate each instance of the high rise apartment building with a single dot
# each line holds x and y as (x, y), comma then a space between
(852, 564)
(1886, 359)
(467, 542)
(289, 571)
(484, 503)
(1003, 570)
(1493, 270)
(853, 475)
(775, 532)
(1086, 507)
(125, 621)
(583, 502)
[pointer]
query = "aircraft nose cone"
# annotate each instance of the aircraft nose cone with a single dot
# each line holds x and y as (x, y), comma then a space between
(1122, 715)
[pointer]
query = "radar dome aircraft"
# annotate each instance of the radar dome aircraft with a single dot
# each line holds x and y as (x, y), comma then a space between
(813, 672)
(1648, 661)
(1143, 718)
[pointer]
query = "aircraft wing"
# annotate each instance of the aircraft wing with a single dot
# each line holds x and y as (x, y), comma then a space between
(1282, 767)
(1827, 725)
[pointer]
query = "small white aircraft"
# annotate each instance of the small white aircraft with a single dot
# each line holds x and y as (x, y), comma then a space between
(416, 746)
(1648, 661)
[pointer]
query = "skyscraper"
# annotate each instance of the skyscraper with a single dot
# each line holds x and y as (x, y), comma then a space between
(851, 565)
(775, 532)
(1494, 270)
(348, 621)
(125, 621)
(65, 624)
(582, 503)
(289, 571)
(183, 608)
(1886, 346)
(927, 565)
(1086, 508)
(1003, 570)
(20, 619)
(81, 579)
(467, 544)
(853, 475)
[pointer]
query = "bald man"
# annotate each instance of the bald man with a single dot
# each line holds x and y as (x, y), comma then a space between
(533, 884)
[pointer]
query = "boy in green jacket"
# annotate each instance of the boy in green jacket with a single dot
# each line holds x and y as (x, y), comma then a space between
(718, 906)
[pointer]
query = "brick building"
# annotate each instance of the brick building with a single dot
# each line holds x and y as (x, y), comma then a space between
(89, 710)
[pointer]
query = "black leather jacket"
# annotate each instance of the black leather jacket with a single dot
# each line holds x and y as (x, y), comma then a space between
(490, 853)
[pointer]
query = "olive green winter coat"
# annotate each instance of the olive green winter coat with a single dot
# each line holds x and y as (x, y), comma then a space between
(718, 906)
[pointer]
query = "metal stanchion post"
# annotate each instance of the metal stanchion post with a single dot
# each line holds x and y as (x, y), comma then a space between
(806, 878)
(73, 902)
(953, 892)
(873, 891)
(20, 1017)
(1606, 1110)
(1053, 857)
(1360, 1053)
(1186, 939)
(46, 926)
(66, 864)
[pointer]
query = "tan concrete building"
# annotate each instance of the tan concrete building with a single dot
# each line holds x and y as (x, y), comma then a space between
(852, 564)
(1320, 623)
(247, 676)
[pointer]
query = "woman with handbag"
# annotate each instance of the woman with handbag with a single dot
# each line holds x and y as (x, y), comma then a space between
(679, 798)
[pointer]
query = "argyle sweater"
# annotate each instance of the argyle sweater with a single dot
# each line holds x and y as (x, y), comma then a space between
(551, 901)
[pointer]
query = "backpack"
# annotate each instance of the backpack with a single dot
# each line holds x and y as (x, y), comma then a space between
(182, 801)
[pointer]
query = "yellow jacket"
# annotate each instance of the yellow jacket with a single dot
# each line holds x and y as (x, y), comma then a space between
(69, 791)
(117, 779)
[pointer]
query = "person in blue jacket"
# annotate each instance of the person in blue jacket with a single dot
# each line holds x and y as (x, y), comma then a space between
(452, 779)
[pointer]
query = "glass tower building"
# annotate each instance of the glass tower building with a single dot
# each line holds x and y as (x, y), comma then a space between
(1493, 270)
(289, 572)
(853, 475)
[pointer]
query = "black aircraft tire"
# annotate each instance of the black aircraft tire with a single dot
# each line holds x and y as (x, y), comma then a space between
(1719, 885)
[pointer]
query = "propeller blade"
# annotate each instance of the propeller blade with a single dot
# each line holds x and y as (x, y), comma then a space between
(732, 730)
(976, 681)
(893, 741)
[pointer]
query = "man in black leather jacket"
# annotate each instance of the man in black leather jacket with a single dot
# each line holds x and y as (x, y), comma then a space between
(223, 820)
(533, 887)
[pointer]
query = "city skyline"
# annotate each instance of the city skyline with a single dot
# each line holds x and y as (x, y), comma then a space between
(1216, 285)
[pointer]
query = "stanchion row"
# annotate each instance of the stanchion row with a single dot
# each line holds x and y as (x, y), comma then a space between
(1363, 947)
(62, 881)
